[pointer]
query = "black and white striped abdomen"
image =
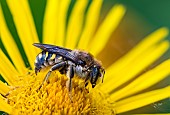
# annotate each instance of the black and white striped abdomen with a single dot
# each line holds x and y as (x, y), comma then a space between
(45, 59)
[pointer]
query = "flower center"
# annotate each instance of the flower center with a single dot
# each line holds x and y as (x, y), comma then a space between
(54, 97)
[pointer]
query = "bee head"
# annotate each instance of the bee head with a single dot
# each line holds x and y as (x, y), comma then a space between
(96, 72)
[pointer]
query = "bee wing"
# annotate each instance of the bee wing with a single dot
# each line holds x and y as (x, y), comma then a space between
(48, 46)
(66, 53)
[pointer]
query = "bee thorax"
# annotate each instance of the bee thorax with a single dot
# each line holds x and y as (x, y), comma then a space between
(79, 71)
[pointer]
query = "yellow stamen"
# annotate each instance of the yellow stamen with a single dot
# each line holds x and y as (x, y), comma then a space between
(106, 28)
(138, 64)
(54, 97)
(8, 40)
(24, 30)
(75, 23)
(153, 76)
(63, 8)
(143, 46)
(50, 25)
(90, 24)
(4, 89)
(142, 100)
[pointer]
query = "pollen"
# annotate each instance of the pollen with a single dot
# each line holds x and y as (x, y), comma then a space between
(53, 97)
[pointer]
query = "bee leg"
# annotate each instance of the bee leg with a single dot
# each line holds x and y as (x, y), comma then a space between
(86, 81)
(54, 67)
(70, 75)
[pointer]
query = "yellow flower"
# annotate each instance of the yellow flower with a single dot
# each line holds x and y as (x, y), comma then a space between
(124, 79)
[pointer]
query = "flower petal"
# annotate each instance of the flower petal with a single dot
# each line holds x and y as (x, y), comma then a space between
(4, 106)
(106, 29)
(152, 77)
(50, 24)
(75, 23)
(62, 15)
(90, 24)
(142, 100)
(27, 10)
(24, 27)
(143, 46)
(137, 66)
(11, 46)
(7, 70)
(4, 89)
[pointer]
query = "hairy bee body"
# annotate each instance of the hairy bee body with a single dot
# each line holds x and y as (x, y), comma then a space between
(69, 62)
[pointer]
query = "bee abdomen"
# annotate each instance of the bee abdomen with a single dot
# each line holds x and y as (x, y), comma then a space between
(45, 59)
(39, 61)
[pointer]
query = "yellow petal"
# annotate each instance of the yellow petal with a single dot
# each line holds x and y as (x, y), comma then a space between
(90, 24)
(137, 66)
(4, 89)
(10, 45)
(30, 19)
(4, 106)
(144, 81)
(24, 28)
(106, 29)
(142, 100)
(50, 24)
(7, 70)
(62, 15)
(143, 46)
(75, 23)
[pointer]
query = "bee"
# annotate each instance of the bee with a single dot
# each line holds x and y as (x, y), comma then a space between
(69, 62)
